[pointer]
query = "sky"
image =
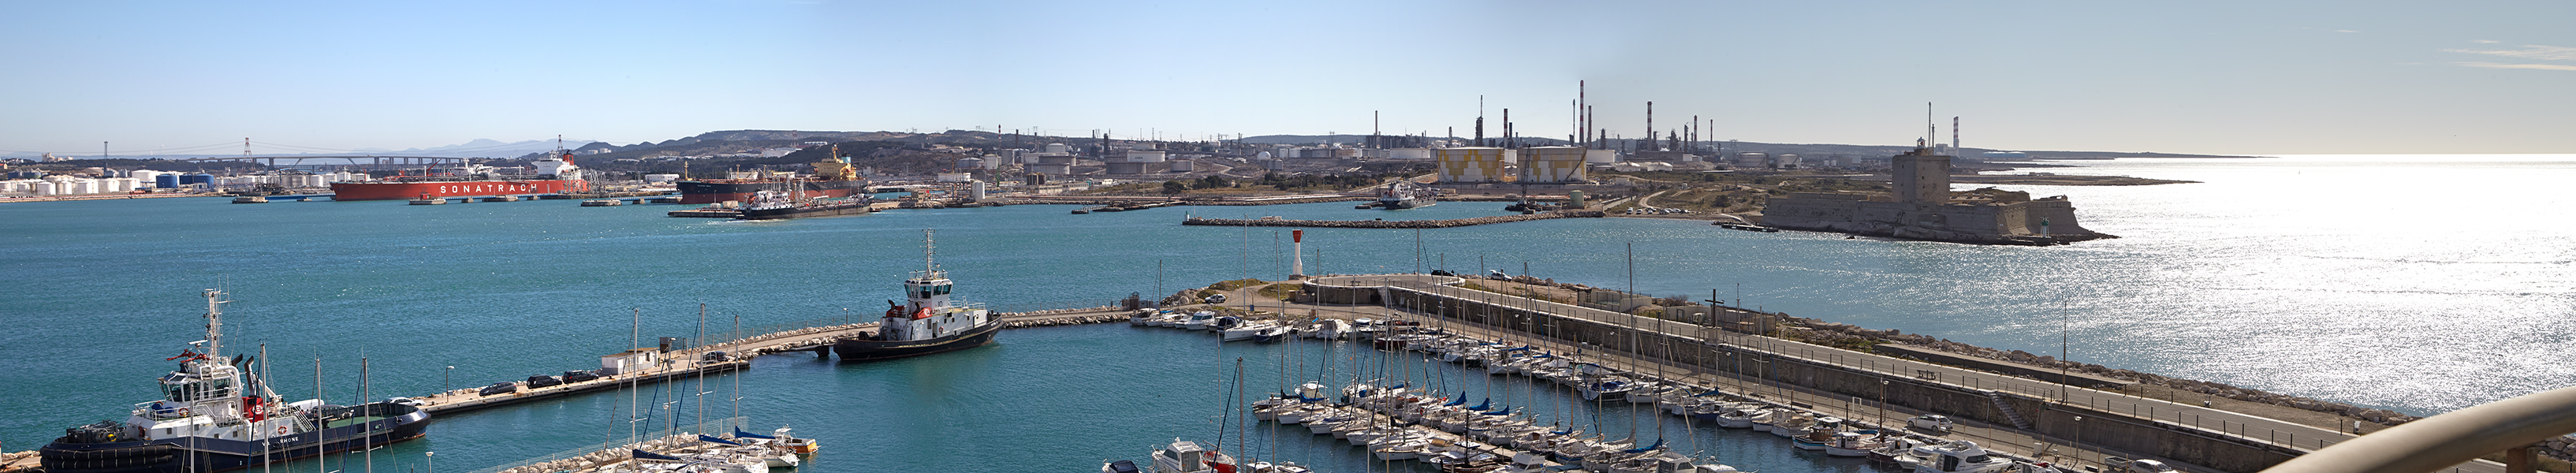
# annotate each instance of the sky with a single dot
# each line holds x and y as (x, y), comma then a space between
(2217, 77)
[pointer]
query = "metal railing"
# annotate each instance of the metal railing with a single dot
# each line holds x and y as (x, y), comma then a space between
(2437, 442)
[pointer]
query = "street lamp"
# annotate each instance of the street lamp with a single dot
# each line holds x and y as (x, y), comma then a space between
(431, 458)
(2078, 442)
(442, 379)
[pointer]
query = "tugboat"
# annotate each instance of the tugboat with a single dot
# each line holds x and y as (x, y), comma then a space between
(926, 325)
(1404, 194)
(214, 415)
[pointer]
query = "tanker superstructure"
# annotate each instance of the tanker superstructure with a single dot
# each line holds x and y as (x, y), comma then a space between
(833, 178)
(556, 174)
(215, 415)
(929, 323)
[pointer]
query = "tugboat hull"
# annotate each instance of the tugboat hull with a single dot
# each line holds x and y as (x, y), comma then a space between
(852, 349)
(201, 454)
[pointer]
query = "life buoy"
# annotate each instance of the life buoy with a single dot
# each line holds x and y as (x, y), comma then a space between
(281, 430)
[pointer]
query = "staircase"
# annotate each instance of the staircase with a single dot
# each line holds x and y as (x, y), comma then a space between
(2006, 407)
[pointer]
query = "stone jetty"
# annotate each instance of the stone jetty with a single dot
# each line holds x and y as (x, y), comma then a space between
(1460, 222)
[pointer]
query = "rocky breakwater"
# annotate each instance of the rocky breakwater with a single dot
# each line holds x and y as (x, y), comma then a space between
(1459, 222)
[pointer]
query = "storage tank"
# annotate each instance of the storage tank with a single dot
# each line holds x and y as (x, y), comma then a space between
(1057, 148)
(208, 179)
(42, 188)
(1183, 165)
(978, 193)
(166, 181)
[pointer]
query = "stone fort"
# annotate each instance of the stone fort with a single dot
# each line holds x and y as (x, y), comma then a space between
(1922, 207)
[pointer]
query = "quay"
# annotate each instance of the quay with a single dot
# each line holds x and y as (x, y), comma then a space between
(692, 361)
(2039, 418)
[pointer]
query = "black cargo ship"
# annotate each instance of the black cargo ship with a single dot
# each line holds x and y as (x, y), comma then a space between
(928, 324)
(215, 415)
(719, 190)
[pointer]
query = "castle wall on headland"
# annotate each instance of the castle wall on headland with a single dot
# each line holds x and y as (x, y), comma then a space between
(1922, 207)
(1988, 222)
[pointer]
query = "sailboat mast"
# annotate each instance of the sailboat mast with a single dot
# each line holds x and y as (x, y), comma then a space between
(702, 374)
(737, 337)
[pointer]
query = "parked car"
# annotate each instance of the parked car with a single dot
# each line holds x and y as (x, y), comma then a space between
(579, 376)
(500, 388)
(406, 401)
(715, 357)
(1938, 423)
(1215, 299)
(543, 380)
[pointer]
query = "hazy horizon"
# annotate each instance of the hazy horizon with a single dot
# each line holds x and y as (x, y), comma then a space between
(2204, 78)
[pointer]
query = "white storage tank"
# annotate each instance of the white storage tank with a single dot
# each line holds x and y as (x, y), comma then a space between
(1057, 148)
(42, 188)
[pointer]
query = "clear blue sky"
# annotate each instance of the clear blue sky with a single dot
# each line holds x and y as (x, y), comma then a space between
(2203, 77)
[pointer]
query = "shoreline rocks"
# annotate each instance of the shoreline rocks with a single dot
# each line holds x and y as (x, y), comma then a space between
(1275, 222)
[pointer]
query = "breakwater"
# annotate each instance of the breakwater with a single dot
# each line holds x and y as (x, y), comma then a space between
(2105, 420)
(1459, 222)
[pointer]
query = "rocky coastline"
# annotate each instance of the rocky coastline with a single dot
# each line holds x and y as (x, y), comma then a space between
(1460, 222)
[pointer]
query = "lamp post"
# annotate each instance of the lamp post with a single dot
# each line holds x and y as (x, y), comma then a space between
(2078, 441)
(442, 379)
(430, 457)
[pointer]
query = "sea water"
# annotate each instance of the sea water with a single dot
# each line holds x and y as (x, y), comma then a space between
(2418, 283)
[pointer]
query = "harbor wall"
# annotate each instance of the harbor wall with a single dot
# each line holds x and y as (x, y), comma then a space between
(2208, 446)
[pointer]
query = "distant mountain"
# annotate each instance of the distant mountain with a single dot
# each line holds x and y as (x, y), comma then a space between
(484, 148)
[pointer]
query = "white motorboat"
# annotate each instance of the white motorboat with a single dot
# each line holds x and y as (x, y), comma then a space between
(1186, 457)
(1960, 456)
(1248, 330)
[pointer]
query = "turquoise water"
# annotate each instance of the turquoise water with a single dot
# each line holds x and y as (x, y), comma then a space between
(2417, 283)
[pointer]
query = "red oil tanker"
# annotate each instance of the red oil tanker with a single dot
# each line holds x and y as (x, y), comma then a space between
(554, 175)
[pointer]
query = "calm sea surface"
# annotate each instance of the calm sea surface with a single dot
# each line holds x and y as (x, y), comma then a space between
(2417, 283)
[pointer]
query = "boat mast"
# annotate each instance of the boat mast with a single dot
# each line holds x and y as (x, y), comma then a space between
(215, 324)
(930, 254)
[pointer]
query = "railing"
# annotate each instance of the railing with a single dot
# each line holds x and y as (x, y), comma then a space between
(2433, 443)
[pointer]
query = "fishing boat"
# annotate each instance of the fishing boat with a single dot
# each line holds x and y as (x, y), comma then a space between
(215, 415)
(930, 323)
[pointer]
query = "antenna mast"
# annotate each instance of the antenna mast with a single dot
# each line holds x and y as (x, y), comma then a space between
(1929, 135)
(929, 253)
